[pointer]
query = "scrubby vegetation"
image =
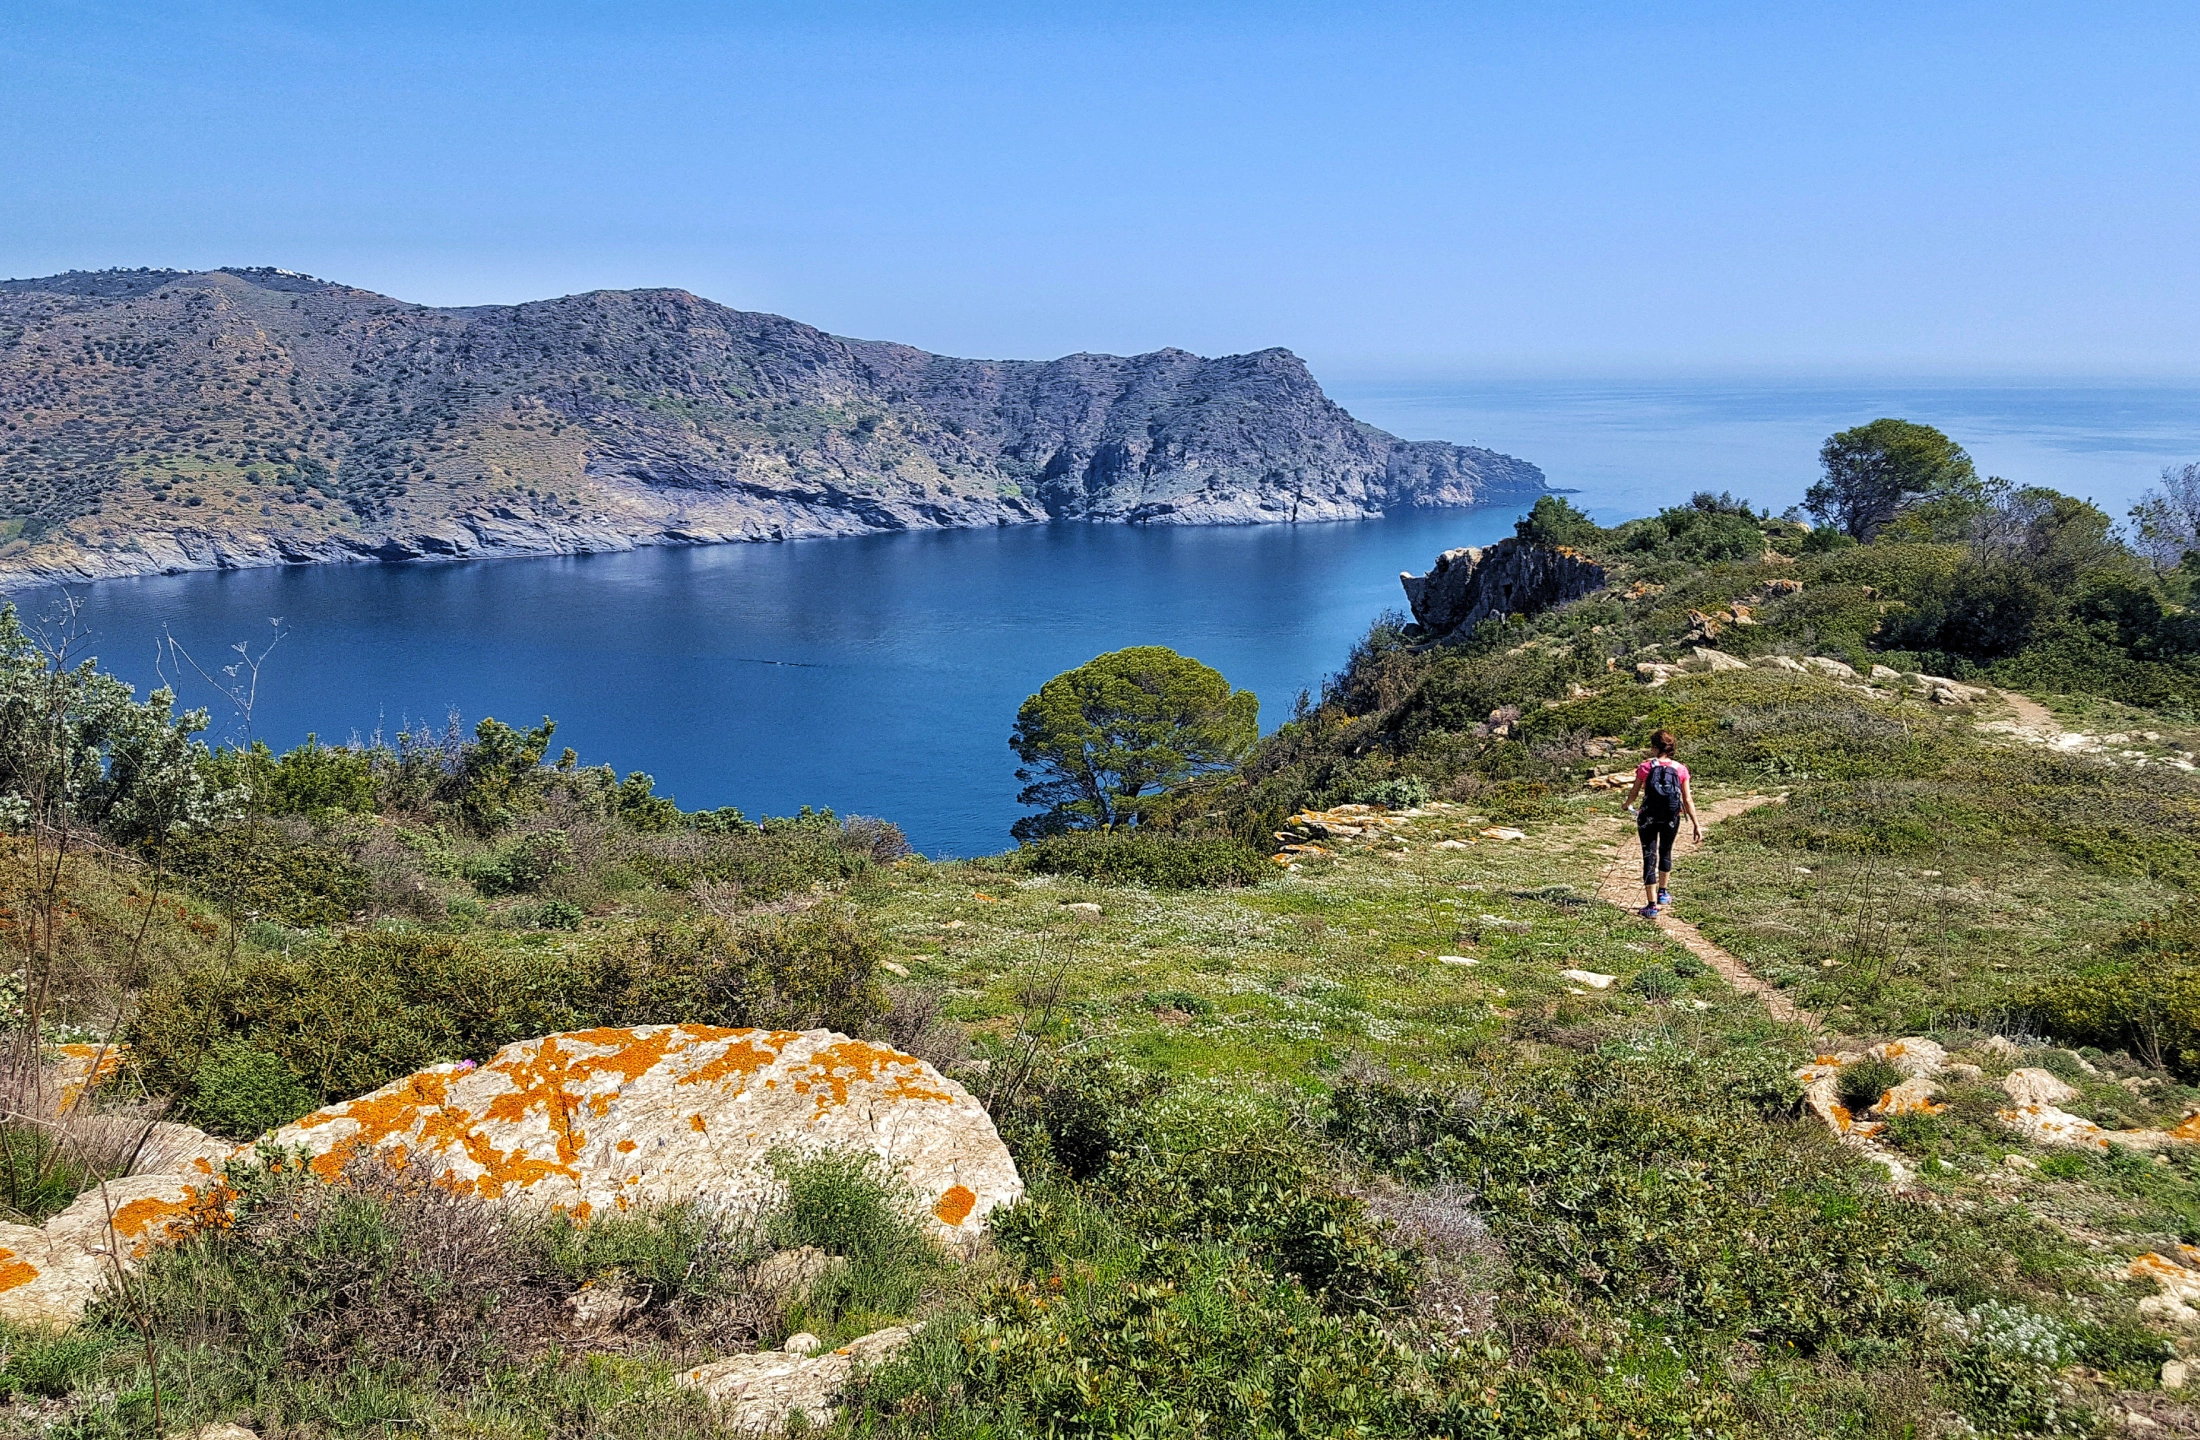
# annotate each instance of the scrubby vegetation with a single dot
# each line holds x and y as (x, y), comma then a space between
(1322, 1147)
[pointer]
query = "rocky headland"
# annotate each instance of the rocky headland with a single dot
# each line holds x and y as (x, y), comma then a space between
(158, 421)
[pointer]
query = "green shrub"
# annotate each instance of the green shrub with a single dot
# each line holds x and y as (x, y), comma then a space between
(778, 856)
(550, 915)
(1074, 1117)
(1405, 793)
(847, 1203)
(260, 872)
(1656, 982)
(1861, 1083)
(683, 1254)
(1143, 858)
(1679, 1202)
(522, 864)
(39, 1178)
(844, 1203)
(2149, 1009)
(241, 1091)
(48, 1363)
(351, 1015)
(817, 968)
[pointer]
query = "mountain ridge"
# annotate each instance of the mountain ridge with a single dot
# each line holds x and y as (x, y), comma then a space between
(166, 420)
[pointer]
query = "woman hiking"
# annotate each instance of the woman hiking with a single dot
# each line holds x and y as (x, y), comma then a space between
(1661, 784)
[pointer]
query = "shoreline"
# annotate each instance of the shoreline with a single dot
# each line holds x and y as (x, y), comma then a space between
(505, 537)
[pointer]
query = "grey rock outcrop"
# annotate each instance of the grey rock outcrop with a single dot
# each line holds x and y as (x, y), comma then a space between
(1467, 586)
(164, 421)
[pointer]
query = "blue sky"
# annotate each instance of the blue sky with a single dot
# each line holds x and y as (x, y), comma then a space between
(1388, 189)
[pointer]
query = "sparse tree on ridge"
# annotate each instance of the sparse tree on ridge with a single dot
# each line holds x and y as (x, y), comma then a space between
(2166, 521)
(1097, 739)
(1875, 472)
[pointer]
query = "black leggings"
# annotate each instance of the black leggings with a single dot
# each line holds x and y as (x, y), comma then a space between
(1657, 846)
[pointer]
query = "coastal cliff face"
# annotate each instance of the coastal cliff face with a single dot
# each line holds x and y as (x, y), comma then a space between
(157, 421)
(1469, 585)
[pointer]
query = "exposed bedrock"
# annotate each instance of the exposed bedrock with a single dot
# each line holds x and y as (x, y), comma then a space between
(1513, 577)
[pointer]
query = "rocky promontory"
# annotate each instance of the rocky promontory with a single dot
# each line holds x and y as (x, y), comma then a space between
(159, 420)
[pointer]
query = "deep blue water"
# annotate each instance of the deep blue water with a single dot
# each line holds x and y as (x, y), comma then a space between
(881, 675)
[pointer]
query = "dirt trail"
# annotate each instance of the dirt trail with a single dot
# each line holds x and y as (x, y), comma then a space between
(2031, 713)
(1621, 884)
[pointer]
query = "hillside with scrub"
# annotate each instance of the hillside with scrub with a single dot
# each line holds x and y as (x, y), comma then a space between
(1345, 1099)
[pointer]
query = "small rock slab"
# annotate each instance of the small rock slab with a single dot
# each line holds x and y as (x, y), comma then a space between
(655, 1114)
(50, 1272)
(2037, 1087)
(758, 1394)
(1589, 978)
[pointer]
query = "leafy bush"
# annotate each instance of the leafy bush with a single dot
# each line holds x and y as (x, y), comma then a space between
(760, 862)
(261, 872)
(2151, 1010)
(2006, 1367)
(1861, 1083)
(814, 969)
(48, 1363)
(241, 1091)
(1681, 1203)
(355, 1013)
(1404, 793)
(385, 1270)
(351, 1015)
(847, 1203)
(1143, 858)
(1655, 982)
(522, 864)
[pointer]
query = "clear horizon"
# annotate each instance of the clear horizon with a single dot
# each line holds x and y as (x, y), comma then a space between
(1396, 191)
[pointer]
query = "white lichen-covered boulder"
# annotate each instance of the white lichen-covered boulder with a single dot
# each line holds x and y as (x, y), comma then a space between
(607, 1119)
(50, 1272)
(2032, 1086)
(759, 1394)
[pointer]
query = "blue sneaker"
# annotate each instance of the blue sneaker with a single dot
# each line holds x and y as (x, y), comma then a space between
(1648, 912)
(1664, 899)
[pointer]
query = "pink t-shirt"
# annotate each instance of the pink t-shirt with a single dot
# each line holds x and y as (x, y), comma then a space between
(1642, 771)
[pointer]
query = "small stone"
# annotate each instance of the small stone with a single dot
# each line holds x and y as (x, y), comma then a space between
(1504, 832)
(1453, 845)
(1716, 660)
(2037, 1087)
(761, 1393)
(224, 1430)
(2001, 1047)
(1781, 662)
(1589, 978)
(2020, 1162)
(802, 1342)
(1457, 960)
(1825, 666)
(2174, 1373)
(1083, 907)
(894, 967)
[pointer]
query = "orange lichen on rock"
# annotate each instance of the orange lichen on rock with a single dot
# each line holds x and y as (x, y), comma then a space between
(955, 1205)
(858, 1062)
(14, 1270)
(742, 1057)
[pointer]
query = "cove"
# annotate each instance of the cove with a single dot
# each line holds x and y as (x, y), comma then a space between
(878, 675)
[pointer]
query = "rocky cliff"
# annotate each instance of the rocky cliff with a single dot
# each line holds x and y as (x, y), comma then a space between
(1467, 586)
(159, 420)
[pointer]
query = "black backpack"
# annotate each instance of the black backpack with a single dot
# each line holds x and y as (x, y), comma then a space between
(1661, 793)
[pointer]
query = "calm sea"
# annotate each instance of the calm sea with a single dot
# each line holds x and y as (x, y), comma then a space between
(881, 675)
